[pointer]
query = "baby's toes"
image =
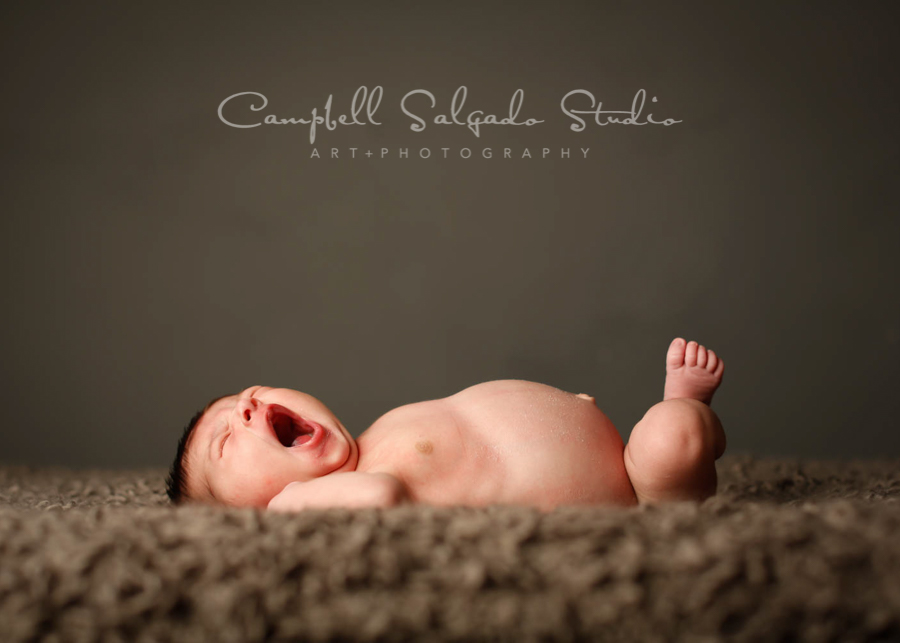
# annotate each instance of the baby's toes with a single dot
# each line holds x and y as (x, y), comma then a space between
(675, 356)
(690, 354)
(720, 368)
(701, 356)
(712, 361)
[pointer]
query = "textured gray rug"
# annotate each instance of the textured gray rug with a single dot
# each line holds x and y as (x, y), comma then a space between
(805, 551)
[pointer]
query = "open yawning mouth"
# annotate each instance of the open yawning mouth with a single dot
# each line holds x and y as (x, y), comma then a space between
(291, 429)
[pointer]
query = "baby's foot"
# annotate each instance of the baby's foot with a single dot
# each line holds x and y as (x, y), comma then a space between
(692, 371)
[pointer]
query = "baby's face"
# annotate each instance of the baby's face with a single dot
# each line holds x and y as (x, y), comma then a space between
(247, 447)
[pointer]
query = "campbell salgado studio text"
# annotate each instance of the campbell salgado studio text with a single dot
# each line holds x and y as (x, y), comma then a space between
(420, 104)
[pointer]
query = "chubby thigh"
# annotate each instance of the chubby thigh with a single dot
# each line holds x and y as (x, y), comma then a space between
(556, 448)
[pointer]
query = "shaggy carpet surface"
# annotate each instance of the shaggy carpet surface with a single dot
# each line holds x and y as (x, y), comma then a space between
(788, 551)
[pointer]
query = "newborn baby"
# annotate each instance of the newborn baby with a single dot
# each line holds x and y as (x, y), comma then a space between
(503, 442)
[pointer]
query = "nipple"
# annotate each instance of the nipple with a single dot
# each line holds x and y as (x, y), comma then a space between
(424, 447)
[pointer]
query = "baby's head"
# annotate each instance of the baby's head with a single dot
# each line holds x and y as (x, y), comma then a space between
(244, 449)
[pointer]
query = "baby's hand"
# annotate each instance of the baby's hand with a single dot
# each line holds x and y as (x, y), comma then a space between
(348, 489)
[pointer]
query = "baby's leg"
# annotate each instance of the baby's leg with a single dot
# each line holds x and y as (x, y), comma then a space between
(672, 451)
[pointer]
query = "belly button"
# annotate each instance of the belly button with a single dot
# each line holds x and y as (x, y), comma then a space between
(424, 447)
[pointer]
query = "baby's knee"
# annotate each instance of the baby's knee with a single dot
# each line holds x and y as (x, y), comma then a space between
(678, 430)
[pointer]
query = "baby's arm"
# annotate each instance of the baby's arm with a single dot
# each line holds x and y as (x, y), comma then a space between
(347, 489)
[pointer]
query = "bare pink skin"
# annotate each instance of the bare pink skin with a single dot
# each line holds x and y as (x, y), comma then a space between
(502, 442)
(236, 458)
(672, 451)
(692, 371)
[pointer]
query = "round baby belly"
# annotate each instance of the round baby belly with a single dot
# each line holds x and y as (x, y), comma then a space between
(573, 455)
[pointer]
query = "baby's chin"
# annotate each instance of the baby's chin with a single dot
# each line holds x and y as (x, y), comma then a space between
(352, 454)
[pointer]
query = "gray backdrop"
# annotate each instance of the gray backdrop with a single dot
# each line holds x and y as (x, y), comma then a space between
(154, 257)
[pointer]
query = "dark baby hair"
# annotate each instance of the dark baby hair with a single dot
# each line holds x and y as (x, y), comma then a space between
(176, 481)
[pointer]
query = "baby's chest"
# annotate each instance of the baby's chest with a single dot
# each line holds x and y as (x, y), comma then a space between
(501, 442)
(438, 455)
(418, 436)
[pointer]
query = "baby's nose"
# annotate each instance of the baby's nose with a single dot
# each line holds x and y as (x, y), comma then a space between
(246, 408)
